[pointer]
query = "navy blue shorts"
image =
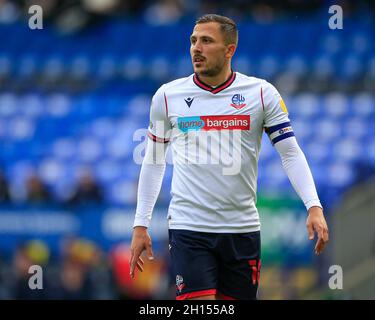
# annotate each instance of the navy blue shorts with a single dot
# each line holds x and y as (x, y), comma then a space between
(215, 263)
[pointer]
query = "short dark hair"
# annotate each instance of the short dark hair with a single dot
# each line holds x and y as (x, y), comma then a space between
(227, 26)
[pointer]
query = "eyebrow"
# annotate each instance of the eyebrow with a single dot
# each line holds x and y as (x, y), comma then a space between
(204, 36)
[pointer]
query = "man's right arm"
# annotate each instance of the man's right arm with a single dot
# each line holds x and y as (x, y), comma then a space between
(150, 180)
(149, 186)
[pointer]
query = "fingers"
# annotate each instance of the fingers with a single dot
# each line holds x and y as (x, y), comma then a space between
(149, 252)
(325, 235)
(141, 241)
(310, 230)
(320, 243)
(140, 263)
(320, 233)
(134, 260)
(319, 247)
(316, 223)
(136, 263)
(322, 240)
(140, 266)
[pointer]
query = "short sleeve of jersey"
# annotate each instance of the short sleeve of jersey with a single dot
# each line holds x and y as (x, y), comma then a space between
(276, 120)
(159, 128)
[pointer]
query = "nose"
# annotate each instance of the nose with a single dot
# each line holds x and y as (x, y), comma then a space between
(196, 47)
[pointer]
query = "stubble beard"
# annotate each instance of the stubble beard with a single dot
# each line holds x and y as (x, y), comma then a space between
(213, 71)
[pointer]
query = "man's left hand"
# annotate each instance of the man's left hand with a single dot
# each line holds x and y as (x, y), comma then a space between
(317, 223)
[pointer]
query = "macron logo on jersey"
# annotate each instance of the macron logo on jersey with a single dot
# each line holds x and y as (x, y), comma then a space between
(189, 101)
(205, 123)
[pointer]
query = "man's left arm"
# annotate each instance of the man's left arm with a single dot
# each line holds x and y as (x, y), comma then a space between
(299, 174)
(279, 129)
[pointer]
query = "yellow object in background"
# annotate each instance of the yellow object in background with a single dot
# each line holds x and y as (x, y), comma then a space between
(37, 252)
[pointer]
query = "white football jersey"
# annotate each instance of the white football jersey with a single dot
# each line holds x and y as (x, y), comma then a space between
(215, 134)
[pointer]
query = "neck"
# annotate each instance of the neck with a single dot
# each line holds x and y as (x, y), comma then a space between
(218, 79)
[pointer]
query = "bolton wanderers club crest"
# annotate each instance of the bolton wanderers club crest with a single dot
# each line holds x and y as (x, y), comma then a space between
(238, 101)
(180, 282)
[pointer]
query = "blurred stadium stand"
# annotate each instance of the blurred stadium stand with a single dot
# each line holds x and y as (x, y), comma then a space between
(71, 99)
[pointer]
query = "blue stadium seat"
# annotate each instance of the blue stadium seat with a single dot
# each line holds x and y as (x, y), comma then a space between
(107, 170)
(8, 105)
(305, 107)
(89, 150)
(122, 192)
(349, 150)
(363, 105)
(336, 106)
(31, 105)
(340, 174)
(6, 66)
(64, 149)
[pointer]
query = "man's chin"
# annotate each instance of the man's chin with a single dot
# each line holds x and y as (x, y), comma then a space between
(198, 70)
(201, 71)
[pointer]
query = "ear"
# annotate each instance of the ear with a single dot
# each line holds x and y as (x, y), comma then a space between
(231, 49)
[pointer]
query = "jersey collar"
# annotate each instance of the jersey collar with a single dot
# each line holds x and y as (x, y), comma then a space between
(217, 89)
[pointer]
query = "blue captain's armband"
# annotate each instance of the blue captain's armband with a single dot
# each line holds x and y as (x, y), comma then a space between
(280, 132)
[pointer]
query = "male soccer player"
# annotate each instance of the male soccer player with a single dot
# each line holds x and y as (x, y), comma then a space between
(217, 113)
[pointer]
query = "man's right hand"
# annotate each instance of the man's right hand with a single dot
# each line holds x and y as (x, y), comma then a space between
(141, 241)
